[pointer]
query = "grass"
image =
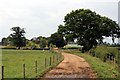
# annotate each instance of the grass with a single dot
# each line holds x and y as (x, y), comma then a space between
(106, 53)
(103, 69)
(13, 61)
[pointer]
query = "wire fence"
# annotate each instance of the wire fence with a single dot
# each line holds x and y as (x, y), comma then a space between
(36, 69)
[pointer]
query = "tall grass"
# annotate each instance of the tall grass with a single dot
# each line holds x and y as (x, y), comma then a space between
(105, 53)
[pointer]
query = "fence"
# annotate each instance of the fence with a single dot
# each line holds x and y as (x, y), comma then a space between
(48, 63)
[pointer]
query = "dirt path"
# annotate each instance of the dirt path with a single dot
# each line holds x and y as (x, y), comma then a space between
(71, 67)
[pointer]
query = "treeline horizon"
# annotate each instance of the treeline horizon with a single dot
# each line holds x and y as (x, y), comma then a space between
(83, 25)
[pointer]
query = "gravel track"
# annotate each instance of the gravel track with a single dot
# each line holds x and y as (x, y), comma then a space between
(71, 67)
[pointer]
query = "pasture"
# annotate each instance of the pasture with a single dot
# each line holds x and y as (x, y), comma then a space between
(13, 61)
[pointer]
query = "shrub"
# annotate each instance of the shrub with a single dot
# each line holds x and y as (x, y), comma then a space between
(92, 52)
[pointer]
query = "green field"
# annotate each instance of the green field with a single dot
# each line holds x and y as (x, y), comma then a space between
(103, 69)
(13, 61)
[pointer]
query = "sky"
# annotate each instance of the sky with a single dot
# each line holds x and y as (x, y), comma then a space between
(42, 17)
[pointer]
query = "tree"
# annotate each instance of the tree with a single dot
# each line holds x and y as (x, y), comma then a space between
(88, 28)
(17, 37)
(35, 40)
(57, 39)
(31, 44)
(4, 41)
(43, 42)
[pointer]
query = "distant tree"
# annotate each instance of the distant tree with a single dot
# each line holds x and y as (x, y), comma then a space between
(43, 42)
(88, 28)
(4, 41)
(31, 45)
(36, 40)
(17, 37)
(57, 39)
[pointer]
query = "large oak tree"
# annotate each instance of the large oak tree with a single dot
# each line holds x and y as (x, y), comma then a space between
(88, 28)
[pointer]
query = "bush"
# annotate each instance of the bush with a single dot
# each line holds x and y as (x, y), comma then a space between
(92, 52)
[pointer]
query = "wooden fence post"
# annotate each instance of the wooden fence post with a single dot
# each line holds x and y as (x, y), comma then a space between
(50, 61)
(36, 66)
(24, 71)
(2, 72)
(45, 62)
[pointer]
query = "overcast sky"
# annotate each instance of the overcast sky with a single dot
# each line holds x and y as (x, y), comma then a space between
(42, 17)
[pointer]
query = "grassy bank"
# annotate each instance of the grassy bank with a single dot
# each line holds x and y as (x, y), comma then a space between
(105, 53)
(103, 69)
(13, 61)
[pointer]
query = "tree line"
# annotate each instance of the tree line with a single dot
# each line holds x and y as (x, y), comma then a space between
(18, 39)
(83, 25)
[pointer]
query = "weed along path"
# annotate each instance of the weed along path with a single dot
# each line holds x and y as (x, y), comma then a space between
(71, 67)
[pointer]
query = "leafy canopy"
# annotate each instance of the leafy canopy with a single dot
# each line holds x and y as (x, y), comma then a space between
(57, 39)
(17, 37)
(88, 28)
